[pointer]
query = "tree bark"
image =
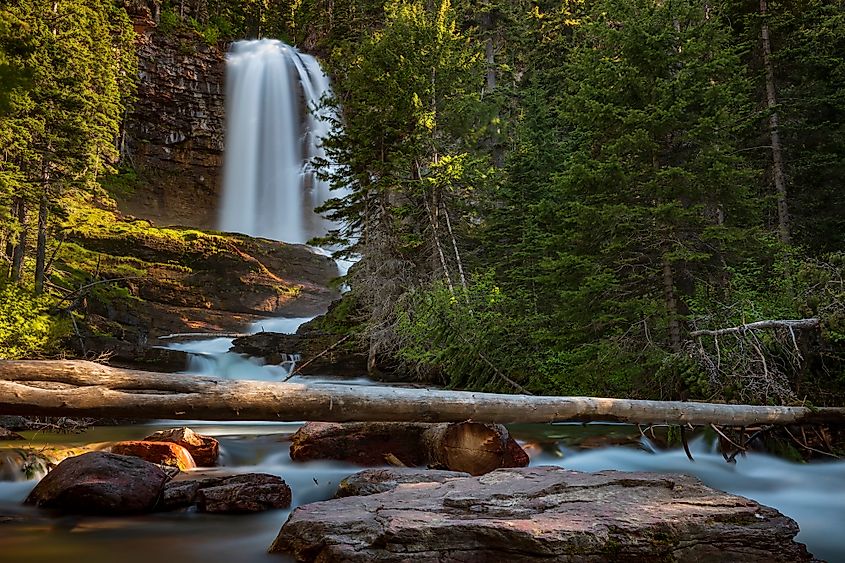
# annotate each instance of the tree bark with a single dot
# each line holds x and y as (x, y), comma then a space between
(80, 388)
(778, 171)
(671, 305)
(488, 24)
(41, 246)
(20, 249)
(10, 236)
(471, 447)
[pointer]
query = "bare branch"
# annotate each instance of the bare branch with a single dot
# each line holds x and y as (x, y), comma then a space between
(760, 325)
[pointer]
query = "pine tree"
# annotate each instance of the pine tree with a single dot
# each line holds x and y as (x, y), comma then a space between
(405, 163)
(808, 42)
(65, 127)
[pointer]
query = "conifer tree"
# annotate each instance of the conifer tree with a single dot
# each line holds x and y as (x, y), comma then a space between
(65, 127)
(405, 162)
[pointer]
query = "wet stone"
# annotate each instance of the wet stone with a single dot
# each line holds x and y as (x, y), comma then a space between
(543, 514)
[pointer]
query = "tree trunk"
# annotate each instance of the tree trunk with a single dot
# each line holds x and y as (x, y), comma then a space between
(10, 236)
(489, 51)
(20, 249)
(778, 171)
(458, 260)
(487, 29)
(78, 388)
(671, 305)
(471, 447)
(41, 247)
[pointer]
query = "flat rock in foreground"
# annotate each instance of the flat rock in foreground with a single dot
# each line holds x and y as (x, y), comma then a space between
(543, 514)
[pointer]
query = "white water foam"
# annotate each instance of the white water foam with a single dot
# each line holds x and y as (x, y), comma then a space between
(270, 187)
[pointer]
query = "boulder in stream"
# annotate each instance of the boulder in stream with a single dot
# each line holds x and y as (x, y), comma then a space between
(250, 492)
(543, 514)
(471, 447)
(100, 483)
(204, 449)
(162, 453)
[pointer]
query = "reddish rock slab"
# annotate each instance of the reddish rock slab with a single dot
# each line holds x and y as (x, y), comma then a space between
(543, 514)
(204, 449)
(100, 483)
(163, 453)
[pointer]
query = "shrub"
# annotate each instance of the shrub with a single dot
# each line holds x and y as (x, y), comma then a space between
(26, 327)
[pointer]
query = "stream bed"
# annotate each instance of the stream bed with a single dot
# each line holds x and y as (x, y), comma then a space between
(812, 494)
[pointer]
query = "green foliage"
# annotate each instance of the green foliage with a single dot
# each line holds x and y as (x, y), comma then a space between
(59, 133)
(122, 184)
(169, 21)
(26, 327)
(809, 38)
(629, 210)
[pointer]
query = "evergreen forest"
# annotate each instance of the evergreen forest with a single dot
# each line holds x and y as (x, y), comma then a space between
(580, 197)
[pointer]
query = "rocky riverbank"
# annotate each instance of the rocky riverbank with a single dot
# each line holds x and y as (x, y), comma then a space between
(172, 280)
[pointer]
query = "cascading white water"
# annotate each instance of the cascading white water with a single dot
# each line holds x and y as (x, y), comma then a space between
(275, 123)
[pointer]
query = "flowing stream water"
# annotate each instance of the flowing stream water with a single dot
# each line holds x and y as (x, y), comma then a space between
(813, 494)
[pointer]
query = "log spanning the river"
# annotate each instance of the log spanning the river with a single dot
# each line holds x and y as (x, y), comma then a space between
(80, 388)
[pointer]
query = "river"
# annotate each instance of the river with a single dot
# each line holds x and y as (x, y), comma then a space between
(812, 494)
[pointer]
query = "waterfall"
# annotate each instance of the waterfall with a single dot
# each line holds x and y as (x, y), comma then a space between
(274, 127)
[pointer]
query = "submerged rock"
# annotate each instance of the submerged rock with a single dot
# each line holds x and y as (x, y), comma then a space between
(162, 453)
(253, 492)
(543, 514)
(374, 481)
(100, 483)
(8, 435)
(204, 449)
(250, 492)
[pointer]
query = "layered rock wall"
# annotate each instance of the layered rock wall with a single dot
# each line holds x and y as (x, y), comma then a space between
(174, 134)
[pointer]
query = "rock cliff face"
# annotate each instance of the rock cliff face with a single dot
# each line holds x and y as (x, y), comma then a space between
(174, 134)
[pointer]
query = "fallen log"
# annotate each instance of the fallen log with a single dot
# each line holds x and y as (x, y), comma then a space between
(204, 335)
(79, 388)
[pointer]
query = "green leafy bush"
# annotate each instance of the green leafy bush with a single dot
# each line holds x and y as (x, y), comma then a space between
(169, 21)
(26, 327)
